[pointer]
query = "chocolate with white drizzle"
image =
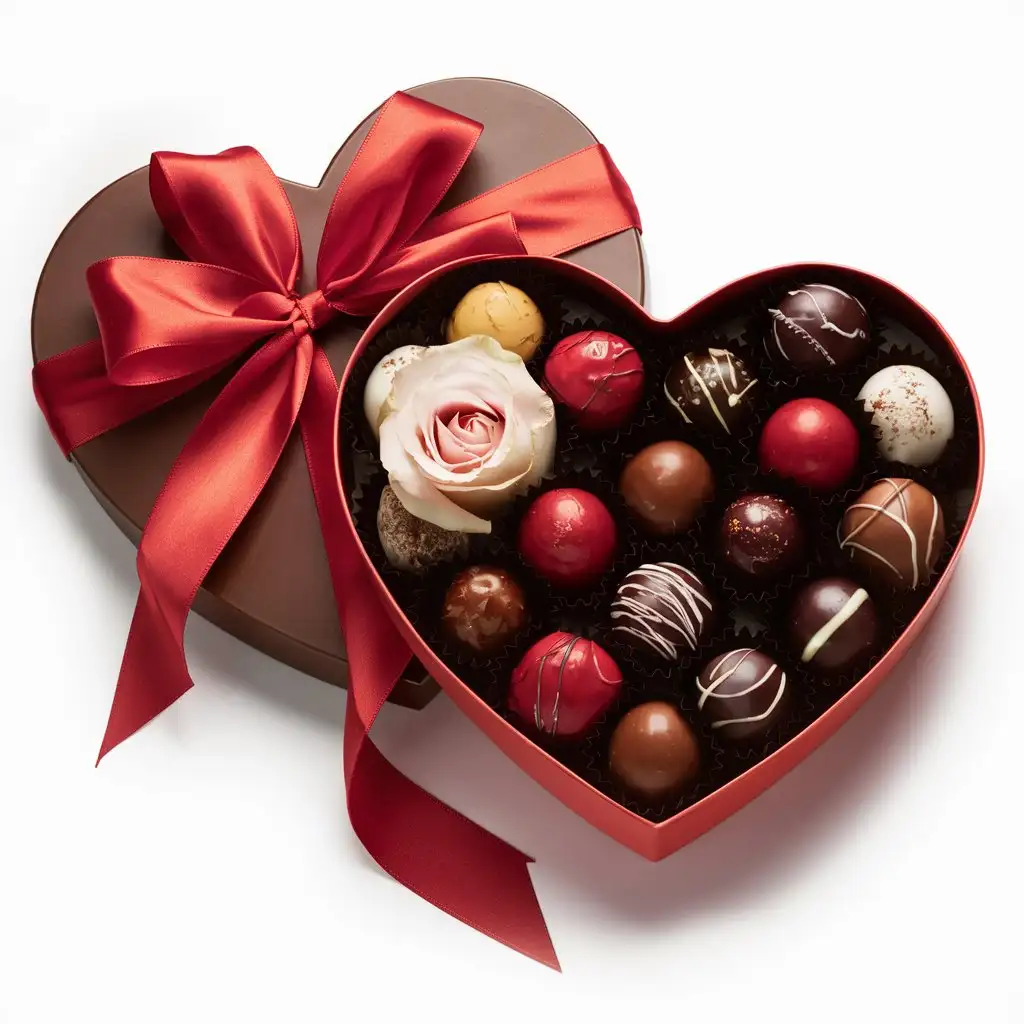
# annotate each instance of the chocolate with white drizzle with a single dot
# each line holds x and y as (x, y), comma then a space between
(832, 624)
(662, 609)
(895, 531)
(711, 389)
(818, 327)
(743, 693)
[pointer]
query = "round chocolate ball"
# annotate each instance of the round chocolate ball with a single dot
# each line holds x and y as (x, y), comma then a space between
(761, 536)
(568, 536)
(484, 609)
(818, 327)
(412, 544)
(895, 531)
(653, 753)
(666, 485)
(742, 694)
(377, 393)
(563, 685)
(911, 413)
(597, 376)
(810, 441)
(712, 389)
(832, 624)
(501, 311)
(662, 609)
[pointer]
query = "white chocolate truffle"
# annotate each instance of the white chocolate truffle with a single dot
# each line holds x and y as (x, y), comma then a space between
(412, 544)
(376, 396)
(911, 413)
(501, 311)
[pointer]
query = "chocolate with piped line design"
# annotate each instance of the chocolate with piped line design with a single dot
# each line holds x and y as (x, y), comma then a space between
(818, 327)
(832, 624)
(743, 693)
(711, 389)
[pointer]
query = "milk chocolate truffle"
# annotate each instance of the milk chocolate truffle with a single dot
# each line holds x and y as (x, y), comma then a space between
(597, 376)
(653, 753)
(761, 536)
(377, 393)
(742, 694)
(563, 685)
(818, 327)
(501, 311)
(568, 536)
(911, 413)
(412, 544)
(895, 531)
(666, 485)
(484, 609)
(662, 609)
(712, 389)
(832, 624)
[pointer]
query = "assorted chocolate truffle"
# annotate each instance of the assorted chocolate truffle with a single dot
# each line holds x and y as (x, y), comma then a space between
(743, 694)
(811, 442)
(666, 486)
(761, 536)
(818, 327)
(833, 624)
(597, 376)
(662, 609)
(563, 685)
(377, 399)
(484, 609)
(653, 754)
(412, 544)
(568, 536)
(911, 413)
(895, 531)
(501, 311)
(712, 389)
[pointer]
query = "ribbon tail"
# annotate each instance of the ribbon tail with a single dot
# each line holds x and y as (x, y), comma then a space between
(425, 845)
(220, 472)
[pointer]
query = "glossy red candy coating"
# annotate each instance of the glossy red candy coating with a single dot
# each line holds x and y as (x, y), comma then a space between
(811, 442)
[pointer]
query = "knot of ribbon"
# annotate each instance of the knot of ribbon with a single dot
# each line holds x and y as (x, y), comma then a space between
(167, 325)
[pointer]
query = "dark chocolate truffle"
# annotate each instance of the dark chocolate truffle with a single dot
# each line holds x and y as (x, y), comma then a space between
(818, 327)
(712, 389)
(742, 694)
(662, 609)
(568, 537)
(563, 684)
(484, 609)
(412, 544)
(761, 536)
(666, 485)
(895, 531)
(832, 624)
(653, 753)
(598, 377)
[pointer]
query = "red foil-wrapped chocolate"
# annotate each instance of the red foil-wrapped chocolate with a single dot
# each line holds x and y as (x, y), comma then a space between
(597, 376)
(563, 685)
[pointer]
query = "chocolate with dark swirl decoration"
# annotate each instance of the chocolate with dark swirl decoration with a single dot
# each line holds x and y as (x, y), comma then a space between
(662, 609)
(711, 389)
(818, 327)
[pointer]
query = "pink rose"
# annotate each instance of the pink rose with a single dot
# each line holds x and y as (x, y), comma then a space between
(469, 431)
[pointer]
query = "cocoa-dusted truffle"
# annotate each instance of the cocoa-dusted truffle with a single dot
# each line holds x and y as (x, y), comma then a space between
(742, 694)
(597, 376)
(832, 624)
(501, 311)
(563, 685)
(484, 609)
(662, 609)
(761, 536)
(666, 486)
(653, 753)
(895, 531)
(412, 544)
(568, 536)
(712, 389)
(818, 327)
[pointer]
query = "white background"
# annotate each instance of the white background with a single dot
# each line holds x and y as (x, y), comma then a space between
(206, 872)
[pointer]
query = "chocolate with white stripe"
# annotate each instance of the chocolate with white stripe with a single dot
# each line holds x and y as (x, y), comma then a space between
(742, 694)
(832, 624)
(818, 327)
(712, 389)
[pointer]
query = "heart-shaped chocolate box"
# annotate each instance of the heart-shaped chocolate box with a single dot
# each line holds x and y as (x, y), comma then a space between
(573, 298)
(271, 586)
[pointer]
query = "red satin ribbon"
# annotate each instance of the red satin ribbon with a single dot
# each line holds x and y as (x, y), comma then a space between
(167, 325)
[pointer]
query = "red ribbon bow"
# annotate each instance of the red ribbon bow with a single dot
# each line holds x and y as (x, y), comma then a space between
(167, 325)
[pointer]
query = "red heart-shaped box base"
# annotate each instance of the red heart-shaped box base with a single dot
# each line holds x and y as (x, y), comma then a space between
(655, 839)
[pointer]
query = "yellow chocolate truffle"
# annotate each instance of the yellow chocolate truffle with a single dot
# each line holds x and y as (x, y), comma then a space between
(503, 312)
